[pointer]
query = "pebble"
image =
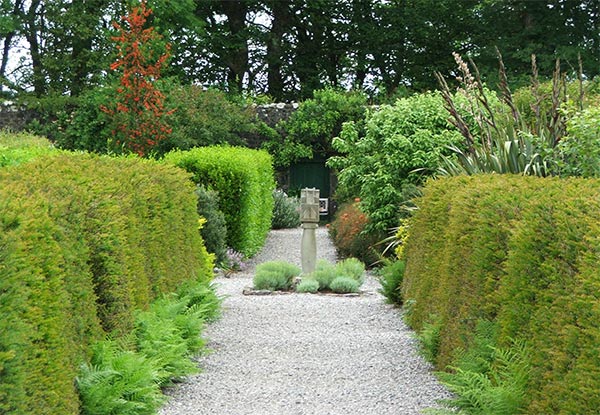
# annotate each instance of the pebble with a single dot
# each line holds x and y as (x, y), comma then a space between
(303, 354)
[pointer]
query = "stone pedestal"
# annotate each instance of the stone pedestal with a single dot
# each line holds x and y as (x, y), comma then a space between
(309, 216)
(308, 249)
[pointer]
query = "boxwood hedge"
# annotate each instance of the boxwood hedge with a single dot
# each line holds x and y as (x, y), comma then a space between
(84, 240)
(244, 179)
(522, 252)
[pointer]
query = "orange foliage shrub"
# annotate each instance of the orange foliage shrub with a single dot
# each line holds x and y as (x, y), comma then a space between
(139, 111)
(348, 233)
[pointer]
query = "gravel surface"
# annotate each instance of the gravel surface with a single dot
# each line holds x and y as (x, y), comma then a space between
(305, 353)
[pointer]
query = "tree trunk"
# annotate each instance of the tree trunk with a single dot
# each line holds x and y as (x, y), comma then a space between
(237, 59)
(281, 24)
(31, 33)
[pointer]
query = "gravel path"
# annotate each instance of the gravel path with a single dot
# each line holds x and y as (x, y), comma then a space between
(306, 354)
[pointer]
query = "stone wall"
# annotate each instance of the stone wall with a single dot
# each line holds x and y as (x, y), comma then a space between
(15, 118)
(271, 114)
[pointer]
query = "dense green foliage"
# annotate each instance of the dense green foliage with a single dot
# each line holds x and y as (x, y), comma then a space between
(521, 252)
(521, 133)
(286, 211)
(390, 277)
(245, 182)
(214, 230)
(275, 276)
(486, 379)
(196, 117)
(309, 130)
(84, 241)
(208, 117)
(344, 277)
(579, 151)
(125, 376)
(401, 145)
(119, 381)
(379, 46)
(20, 148)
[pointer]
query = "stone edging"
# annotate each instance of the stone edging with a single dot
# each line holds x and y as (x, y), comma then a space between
(251, 291)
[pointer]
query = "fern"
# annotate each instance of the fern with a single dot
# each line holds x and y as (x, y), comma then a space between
(119, 382)
(488, 379)
(430, 338)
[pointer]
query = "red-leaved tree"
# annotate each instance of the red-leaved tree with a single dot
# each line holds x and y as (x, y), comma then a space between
(139, 113)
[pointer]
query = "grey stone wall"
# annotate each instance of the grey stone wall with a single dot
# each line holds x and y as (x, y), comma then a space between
(14, 117)
(271, 114)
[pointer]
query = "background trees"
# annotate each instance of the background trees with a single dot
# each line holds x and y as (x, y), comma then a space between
(288, 49)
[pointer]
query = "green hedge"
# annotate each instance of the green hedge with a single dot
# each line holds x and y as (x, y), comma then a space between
(522, 252)
(244, 179)
(84, 241)
(20, 148)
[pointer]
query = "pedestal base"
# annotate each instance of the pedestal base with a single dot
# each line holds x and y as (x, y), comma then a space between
(308, 249)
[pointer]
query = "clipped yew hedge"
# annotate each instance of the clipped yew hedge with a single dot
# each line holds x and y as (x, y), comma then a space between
(244, 179)
(523, 252)
(84, 241)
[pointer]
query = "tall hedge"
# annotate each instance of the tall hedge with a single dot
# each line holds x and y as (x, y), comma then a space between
(84, 241)
(244, 179)
(523, 252)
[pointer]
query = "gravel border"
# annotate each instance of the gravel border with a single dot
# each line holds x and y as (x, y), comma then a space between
(303, 354)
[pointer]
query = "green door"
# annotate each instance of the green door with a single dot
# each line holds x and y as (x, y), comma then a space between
(311, 173)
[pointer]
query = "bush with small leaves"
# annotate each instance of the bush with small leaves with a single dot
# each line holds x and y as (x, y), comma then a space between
(275, 275)
(353, 268)
(308, 285)
(324, 274)
(285, 211)
(214, 231)
(344, 285)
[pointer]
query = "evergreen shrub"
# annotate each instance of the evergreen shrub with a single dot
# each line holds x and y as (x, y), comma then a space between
(344, 277)
(275, 276)
(397, 148)
(308, 285)
(84, 241)
(521, 252)
(344, 285)
(349, 234)
(352, 268)
(286, 211)
(245, 182)
(324, 274)
(214, 230)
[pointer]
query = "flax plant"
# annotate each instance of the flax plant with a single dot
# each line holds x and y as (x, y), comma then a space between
(497, 138)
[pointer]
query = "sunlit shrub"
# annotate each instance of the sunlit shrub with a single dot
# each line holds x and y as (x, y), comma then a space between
(244, 179)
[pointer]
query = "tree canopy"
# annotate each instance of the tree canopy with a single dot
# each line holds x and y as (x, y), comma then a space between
(288, 49)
